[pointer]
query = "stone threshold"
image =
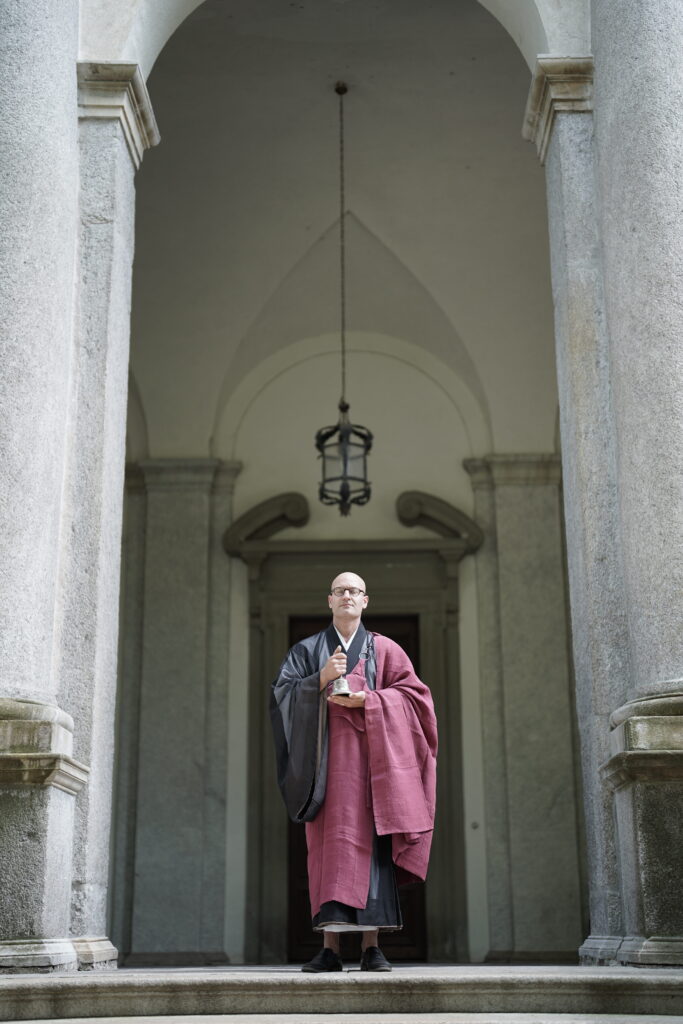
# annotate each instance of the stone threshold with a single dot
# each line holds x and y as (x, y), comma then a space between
(386, 1018)
(478, 989)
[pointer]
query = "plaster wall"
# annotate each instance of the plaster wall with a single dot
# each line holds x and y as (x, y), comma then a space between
(237, 247)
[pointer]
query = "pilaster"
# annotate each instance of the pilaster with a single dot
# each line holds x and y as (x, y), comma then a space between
(182, 722)
(560, 122)
(524, 636)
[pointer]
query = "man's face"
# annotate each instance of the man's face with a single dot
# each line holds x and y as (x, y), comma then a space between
(346, 605)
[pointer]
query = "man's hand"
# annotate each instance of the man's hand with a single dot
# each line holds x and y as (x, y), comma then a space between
(334, 667)
(356, 700)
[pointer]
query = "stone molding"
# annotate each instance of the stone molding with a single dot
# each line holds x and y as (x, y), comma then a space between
(417, 508)
(266, 519)
(28, 955)
(29, 727)
(660, 704)
(652, 950)
(646, 742)
(134, 479)
(36, 741)
(179, 474)
(656, 732)
(56, 770)
(95, 952)
(558, 85)
(600, 950)
(117, 91)
(226, 475)
(540, 470)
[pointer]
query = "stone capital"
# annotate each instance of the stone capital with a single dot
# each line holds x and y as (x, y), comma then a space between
(558, 85)
(179, 474)
(514, 470)
(226, 474)
(117, 91)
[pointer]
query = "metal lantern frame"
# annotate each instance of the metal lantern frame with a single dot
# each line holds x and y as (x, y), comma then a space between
(340, 446)
(343, 447)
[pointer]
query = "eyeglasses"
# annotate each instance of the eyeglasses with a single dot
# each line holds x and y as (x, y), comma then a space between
(351, 591)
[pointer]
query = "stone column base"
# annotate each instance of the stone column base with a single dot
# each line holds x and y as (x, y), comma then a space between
(657, 950)
(33, 955)
(646, 773)
(600, 950)
(95, 953)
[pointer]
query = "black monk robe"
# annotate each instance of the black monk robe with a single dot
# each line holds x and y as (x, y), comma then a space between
(298, 713)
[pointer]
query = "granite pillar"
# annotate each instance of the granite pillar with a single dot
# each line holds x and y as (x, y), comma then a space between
(116, 125)
(38, 218)
(559, 120)
(639, 161)
(615, 190)
(529, 752)
(38, 215)
(639, 165)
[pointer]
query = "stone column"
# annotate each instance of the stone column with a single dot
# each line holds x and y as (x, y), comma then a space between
(639, 150)
(559, 120)
(616, 213)
(38, 217)
(530, 783)
(639, 163)
(116, 125)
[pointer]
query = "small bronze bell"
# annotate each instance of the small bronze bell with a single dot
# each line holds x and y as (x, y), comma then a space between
(340, 687)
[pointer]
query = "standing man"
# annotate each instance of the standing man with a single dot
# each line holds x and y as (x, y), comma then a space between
(359, 770)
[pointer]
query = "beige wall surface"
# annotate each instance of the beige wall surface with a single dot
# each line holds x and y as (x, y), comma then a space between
(237, 251)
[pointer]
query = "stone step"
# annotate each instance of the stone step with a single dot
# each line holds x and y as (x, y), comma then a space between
(406, 992)
(382, 1018)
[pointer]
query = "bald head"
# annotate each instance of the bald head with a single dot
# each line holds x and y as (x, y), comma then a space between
(346, 607)
(348, 579)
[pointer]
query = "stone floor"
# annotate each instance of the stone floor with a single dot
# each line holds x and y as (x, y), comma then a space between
(467, 994)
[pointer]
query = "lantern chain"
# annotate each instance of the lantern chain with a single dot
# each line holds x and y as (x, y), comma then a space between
(341, 89)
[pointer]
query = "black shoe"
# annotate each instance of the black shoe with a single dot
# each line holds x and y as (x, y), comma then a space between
(325, 960)
(373, 959)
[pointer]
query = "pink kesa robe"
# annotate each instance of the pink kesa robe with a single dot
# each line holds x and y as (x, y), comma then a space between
(381, 776)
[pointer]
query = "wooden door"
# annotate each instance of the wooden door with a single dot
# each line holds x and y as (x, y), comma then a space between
(303, 943)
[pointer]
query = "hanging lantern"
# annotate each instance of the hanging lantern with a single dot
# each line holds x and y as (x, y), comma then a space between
(343, 447)
(344, 450)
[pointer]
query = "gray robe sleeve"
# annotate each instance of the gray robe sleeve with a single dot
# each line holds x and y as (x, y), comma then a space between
(298, 713)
